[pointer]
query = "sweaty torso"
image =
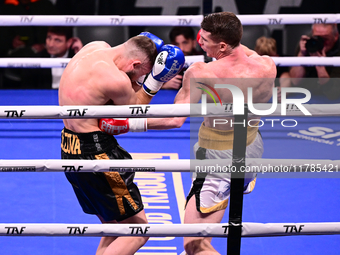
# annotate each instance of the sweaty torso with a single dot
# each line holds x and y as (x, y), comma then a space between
(242, 71)
(84, 82)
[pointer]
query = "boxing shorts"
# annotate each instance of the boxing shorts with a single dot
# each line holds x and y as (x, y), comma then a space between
(212, 190)
(111, 195)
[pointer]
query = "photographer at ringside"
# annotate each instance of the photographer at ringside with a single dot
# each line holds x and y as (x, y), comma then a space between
(323, 42)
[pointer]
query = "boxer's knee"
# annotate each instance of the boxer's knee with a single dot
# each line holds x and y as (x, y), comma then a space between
(140, 240)
(194, 246)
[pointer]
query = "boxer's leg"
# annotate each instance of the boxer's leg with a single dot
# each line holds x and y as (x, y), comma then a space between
(200, 245)
(123, 245)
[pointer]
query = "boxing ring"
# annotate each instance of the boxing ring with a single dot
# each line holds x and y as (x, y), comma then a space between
(36, 132)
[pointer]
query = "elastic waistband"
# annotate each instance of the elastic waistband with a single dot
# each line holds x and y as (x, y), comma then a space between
(86, 143)
(214, 139)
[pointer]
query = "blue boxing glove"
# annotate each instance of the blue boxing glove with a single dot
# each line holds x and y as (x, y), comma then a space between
(157, 41)
(168, 64)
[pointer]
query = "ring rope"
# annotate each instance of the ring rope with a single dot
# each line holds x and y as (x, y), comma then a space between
(160, 20)
(249, 229)
(62, 62)
(257, 165)
(155, 110)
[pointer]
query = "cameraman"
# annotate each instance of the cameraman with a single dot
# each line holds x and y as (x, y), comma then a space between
(323, 42)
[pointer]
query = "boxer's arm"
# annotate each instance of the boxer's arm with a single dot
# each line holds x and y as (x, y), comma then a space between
(186, 95)
(168, 64)
(142, 97)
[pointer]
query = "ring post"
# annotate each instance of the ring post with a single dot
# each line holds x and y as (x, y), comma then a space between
(237, 184)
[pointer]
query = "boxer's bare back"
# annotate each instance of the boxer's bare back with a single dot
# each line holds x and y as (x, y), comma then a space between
(244, 69)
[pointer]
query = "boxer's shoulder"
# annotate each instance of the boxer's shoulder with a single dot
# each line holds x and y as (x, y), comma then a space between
(97, 44)
(197, 69)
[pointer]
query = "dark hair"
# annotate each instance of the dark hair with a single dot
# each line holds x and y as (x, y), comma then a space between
(145, 45)
(223, 26)
(66, 31)
(187, 32)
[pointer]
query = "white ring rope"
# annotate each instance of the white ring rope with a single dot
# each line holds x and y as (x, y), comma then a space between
(257, 165)
(156, 111)
(62, 62)
(160, 20)
(177, 230)
(306, 61)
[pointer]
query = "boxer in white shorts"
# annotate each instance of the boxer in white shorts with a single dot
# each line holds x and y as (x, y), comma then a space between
(212, 190)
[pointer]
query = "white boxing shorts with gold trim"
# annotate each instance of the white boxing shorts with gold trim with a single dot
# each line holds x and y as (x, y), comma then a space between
(212, 190)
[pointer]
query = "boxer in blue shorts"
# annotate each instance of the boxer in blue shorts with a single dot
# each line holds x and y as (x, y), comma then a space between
(99, 75)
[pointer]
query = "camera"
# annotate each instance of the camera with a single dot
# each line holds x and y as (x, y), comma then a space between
(314, 44)
(184, 68)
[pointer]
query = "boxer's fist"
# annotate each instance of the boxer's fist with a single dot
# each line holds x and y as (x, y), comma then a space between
(168, 64)
(122, 126)
(157, 41)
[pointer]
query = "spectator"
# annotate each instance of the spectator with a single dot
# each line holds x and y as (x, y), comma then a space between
(24, 39)
(325, 39)
(60, 43)
(266, 46)
(185, 39)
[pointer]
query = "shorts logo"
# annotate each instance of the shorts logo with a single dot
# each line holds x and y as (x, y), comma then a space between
(70, 143)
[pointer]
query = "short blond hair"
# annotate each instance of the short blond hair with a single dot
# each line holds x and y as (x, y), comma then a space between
(266, 46)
